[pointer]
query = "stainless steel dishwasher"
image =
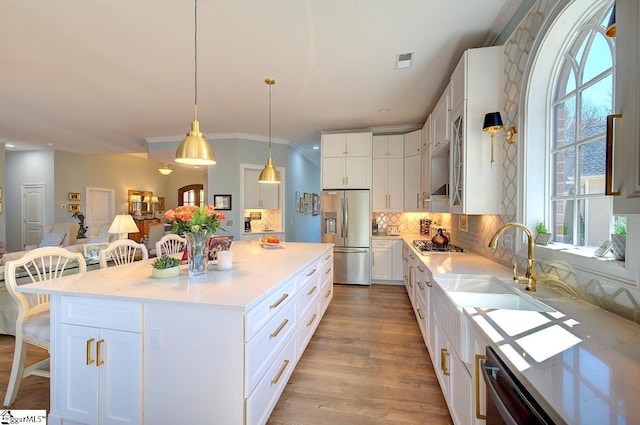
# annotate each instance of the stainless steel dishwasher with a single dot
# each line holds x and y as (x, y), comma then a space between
(508, 401)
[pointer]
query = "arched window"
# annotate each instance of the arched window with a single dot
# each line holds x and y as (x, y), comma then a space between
(191, 195)
(579, 213)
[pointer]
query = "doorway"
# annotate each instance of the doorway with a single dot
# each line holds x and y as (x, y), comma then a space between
(33, 213)
(100, 207)
(192, 194)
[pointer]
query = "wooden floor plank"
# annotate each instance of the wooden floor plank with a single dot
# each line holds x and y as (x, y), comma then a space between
(366, 364)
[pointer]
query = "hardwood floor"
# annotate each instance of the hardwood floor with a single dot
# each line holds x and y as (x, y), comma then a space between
(366, 364)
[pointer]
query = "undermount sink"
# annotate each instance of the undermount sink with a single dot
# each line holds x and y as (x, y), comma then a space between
(472, 283)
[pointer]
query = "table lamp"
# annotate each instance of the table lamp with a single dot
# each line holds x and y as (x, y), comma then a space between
(123, 224)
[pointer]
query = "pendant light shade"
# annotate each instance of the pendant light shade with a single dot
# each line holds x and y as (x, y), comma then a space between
(195, 149)
(165, 170)
(269, 174)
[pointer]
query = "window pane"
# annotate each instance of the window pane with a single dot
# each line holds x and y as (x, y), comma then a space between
(564, 173)
(562, 221)
(596, 105)
(565, 119)
(591, 166)
(598, 59)
(597, 213)
(566, 80)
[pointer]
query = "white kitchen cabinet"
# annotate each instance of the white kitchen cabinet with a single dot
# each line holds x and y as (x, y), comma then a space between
(413, 143)
(99, 362)
(475, 182)
(346, 161)
(413, 148)
(439, 155)
(387, 184)
(626, 170)
(387, 263)
(425, 167)
(259, 195)
(440, 124)
(388, 146)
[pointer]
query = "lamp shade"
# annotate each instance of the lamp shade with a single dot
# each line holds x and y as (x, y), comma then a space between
(195, 149)
(122, 225)
(269, 173)
(165, 170)
(611, 27)
(492, 122)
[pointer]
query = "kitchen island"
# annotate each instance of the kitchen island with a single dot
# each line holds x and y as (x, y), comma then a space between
(217, 348)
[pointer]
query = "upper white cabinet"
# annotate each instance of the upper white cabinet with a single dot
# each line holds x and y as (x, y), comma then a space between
(425, 159)
(391, 146)
(626, 170)
(475, 182)
(440, 124)
(387, 184)
(259, 195)
(413, 148)
(346, 161)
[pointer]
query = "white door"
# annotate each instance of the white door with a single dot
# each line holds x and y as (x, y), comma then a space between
(33, 213)
(100, 207)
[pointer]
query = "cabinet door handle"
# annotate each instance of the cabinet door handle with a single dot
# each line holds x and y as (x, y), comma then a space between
(312, 290)
(280, 328)
(327, 272)
(429, 284)
(420, 314)
(313, 318)
(312, 272)
(479, 359)
(99, 361)
(419, 286)
(280, 372)
(608, 187)
(421, 269)
(277, 303)
(89, 344)
(328, 293)
(443, 361)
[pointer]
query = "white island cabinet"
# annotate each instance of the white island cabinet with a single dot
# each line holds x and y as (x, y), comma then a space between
(218, 348)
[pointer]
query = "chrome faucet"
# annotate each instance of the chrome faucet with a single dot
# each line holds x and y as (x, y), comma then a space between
(529, 277)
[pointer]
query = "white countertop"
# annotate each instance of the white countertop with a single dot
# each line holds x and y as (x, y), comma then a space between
(580, 362)
(255, 272)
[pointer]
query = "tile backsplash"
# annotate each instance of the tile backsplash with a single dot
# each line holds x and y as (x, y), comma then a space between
(269, 219)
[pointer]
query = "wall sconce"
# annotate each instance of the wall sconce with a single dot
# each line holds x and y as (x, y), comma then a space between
(493, 124)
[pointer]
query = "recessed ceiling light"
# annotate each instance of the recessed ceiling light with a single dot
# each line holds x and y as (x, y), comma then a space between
(383, 111)
(315, 148)
(9, 145)
(403, 60)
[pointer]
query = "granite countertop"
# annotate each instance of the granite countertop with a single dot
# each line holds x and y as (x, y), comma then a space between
(255, 272)
(580, 362)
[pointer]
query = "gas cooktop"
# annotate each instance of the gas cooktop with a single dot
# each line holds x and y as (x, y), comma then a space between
(428, 247)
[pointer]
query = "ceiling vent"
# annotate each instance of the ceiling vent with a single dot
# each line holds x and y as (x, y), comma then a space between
(403, 60)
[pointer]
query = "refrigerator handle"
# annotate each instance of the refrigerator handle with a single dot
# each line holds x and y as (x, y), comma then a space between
(342, 218)
(346, 217)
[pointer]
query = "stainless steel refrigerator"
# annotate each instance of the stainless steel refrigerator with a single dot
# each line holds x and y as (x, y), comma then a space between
(346, 222)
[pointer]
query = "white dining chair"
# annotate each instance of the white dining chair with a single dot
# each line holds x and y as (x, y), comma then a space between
(170, 244)
(123, 251)
(32, 324)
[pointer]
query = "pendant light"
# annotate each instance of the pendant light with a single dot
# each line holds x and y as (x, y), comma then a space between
(165, 170)
(195, 149)
(269, 174)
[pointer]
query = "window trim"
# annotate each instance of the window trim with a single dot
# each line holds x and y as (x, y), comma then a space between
(537, 95)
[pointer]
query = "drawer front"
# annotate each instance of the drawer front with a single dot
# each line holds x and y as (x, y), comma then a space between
(266, 394)
(327, 258)
(310, 273)
(381, 243)
(269, 307)
(263, 348)
(100, 313)
(307, 324)
(308, 295)
(326, 293)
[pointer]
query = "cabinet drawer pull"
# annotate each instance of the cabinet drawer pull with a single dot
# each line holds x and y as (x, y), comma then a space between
(412, 257)
(608, 187)
(280, 328)
(429, 284)
(421, 269)
(89, 359)
(328, 293)
(443, 361)
(327, 257)
(312, 272)
(277, 303)
(420, 286)
(313, 318)
(280, 372)
(420, 314)
(312, 290)
(99, 361)
(327, 272)
(479, 358)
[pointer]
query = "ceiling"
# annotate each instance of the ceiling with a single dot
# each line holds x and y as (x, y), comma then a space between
(95, 77)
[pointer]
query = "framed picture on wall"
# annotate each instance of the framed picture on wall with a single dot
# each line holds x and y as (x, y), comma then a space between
(222, 202)
(74, 196)
(315, 209)
(74, 208)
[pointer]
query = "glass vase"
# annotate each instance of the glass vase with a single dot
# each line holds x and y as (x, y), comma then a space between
(198, 251)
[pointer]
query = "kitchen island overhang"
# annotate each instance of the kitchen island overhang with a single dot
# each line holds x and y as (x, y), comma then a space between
(214, 348)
